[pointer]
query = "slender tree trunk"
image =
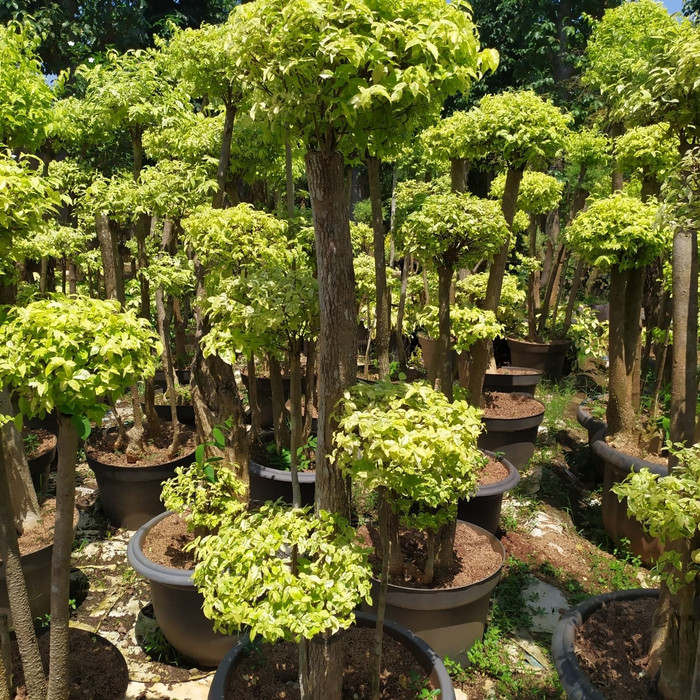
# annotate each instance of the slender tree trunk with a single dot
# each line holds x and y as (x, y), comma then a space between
(279, 412)
(633, 333)
(383, 331)
(401, 310)
(253, 402)
(616, 130)
(72, 278)
(532, 290)
(180, 331)
(552, 229)
(295, 416)
(620, 416)
(445, 545)
(60, 560)
(109, 263)
(309, 390)
(444, 340)
(5, 658)
(43, 276)
(480, 350)
(289, 176)
(684, 386)
(224, 155)
(551, 292)
(392, 215)
(573, 293)
(16, 587)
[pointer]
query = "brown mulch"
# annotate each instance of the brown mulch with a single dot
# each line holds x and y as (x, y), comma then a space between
(492, 473)
(497, 404)
(272, 672)
(96, 668)
(612, 648)
(474, 559)
(164, 543)
(46, 441)
(40, 534)
(100, 447)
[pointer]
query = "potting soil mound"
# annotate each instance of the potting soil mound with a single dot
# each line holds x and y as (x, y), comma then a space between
(270, 672)
(498, 404)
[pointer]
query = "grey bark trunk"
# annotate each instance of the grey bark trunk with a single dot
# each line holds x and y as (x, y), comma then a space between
(60, 561)
(383, 330)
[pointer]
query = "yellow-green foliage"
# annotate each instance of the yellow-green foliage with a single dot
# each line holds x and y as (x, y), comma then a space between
(467, 323)
(539, 193)
(648, 151)
(409, 439)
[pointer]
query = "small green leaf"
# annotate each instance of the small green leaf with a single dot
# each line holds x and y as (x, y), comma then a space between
(199, 455)
(219, 438)
(82, 425)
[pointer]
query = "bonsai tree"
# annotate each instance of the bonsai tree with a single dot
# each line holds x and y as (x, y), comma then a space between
(669, 508)
(619, 234)
(449, 232)
(68, 354)
(379, 425)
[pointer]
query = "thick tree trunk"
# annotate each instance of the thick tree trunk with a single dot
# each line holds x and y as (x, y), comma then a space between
(480, 350)
(337, 343)
(109, 261)
(383, 330)
(445, 545)
(444, 340)
(16, 588)
(25, 505)
(458, 174)
(72, 278)
(295, 440)
(552, 231)
(401, 310)
(684, 386)
(310, 389)
(533, 292)
(633, 333)
(60, 560)
(620, 416)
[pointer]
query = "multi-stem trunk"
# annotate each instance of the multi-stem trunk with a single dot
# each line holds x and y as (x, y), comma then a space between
(295, 411)
(383, 330)
(60, 560)
(480, 350)
(444, 339)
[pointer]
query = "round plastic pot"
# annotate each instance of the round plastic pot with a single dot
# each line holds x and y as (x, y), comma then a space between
(37, 574)
(429, 661)
(593, 426)
(514, 437)
(519, 379)
(183, 377)
(547, 357)
(130, 496)
(185, 414)
(572, 677)
(450, 620)
(39, 468)
(616, 466)
(177, 604)
(484, 507)
(269, 484)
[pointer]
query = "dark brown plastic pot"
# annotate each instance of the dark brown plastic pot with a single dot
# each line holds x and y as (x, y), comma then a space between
(36, 567)
(130, 496)
(617, 465)
(573, 679)
(177, 605)
(514, 437)
(429, 661)
(547, 357)
(185, 414)
(183, 377)
(269, 484)
(509, 379)
(484, 507)
(450, 620)
(428, 348)
(264, 388)
(593, 426)
(39, 468)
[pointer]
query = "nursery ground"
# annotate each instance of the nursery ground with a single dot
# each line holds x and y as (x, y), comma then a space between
(557, 554)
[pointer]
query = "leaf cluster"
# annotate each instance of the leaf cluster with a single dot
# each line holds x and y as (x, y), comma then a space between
(649, 151)
(410, 440)
(70, 353)
(467, 323)
(539, 193)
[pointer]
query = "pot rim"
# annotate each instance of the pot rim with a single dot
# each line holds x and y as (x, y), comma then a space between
(572, 677)
(432, 664)
(534, 345)
(147, 567)
(619, 459)
(499, 487)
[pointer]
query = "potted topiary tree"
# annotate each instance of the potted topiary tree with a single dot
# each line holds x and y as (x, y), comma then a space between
(668, 508)
(68, 354)
(419, 452)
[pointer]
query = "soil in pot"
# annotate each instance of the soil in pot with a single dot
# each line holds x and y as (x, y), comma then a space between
(96, 668)
(165, 543)
(612, 648)
(100, 447)
(492, 473)
(270, 671)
